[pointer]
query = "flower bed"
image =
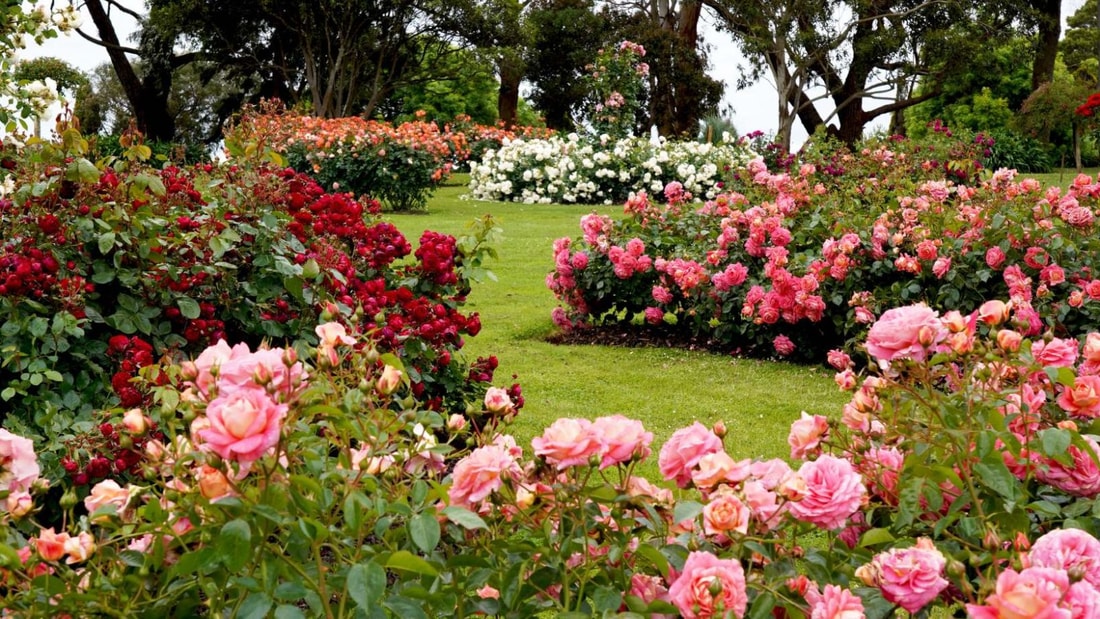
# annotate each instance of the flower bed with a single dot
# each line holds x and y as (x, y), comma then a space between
(958, 477)
(797, 263)
(572, 169)
(105, 271)
(400, 165)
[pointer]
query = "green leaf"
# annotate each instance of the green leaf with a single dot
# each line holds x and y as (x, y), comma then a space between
(874, 537)
(1055, 441)
(686, 510)
(762, 606)
(255, 606)
(405, 608)
(286, 611)
(424, 531)
(106, 242)
(464, 517)
(234, 544)
(408, 562)
(606, 599)
(997, 478)
(366, 584)
(189, 307)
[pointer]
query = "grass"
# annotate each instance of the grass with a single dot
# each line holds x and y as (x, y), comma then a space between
(1061, 177)
(666, 389)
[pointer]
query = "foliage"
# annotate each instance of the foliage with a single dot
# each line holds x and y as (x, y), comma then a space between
(106, 269)
(1018, 152)
(469, 92)
(797, 263)
(966, 445)
(1080, 42)
(178, 153)
(575, 169)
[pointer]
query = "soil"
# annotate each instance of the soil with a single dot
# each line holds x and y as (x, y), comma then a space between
(635, 336)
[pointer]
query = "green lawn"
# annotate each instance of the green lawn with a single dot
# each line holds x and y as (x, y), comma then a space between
(666, 389)
(1061, 177)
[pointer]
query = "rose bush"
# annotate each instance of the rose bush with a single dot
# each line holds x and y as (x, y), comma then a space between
(105, 269)
(576, 169)
(949, 482)
(797, 263)
(400, 165)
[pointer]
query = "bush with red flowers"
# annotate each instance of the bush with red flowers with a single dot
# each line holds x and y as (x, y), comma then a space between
(107, 270)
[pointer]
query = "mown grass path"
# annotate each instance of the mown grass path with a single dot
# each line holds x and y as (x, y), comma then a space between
(665, 388)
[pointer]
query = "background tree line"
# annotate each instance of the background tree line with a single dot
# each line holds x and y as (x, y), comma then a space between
(835, 64)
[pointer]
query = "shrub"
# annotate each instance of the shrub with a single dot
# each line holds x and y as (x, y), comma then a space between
(578, 170)
(797, 263)
(105, 271)
(1021, 153)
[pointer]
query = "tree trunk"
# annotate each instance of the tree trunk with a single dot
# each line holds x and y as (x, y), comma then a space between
(148, 98)
(510, 69)
(1050, 30)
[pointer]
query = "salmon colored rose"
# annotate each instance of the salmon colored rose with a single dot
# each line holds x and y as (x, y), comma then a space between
(568, 442)
(480, 474)
(684, 449)
(1083, 399)
(1032, 593)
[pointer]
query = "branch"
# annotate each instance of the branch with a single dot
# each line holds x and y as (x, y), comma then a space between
(130, 12)
(109, 46)
(904, 103)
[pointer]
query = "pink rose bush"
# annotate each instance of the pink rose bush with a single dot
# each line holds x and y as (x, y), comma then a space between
(783, 263)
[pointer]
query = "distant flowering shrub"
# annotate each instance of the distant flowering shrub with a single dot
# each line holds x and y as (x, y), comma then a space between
(573, 169)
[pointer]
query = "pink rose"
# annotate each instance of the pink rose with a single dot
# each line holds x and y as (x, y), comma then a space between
(833, 491)
(480, 474)
(1080, 477)
(709, 587)
(909, 577)
(1068, 549)
(1057, 352)
(50, 545)
(1082, 600)
(648, 588)
(880, 467)
(683, 451)
(244, 424)
(905, 332)
(623, 440)
(18, 464)
(994, 257)
(839, 359)
(568, 442)
(1083, 399)
(333, 333)
(107, 492)
(488, 593)
(783, 345)
(806, 434)
(1031, 594)
(724, 514)
(763, 503)
(834, 603)
(497, 400)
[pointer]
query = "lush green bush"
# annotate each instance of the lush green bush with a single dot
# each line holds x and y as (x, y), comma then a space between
(105, 270)
(1018, 152)
(179, 154)
(797, 263)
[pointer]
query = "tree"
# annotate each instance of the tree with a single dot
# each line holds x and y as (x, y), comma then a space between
(1080, 45)
(1048, 19)
(470, 92)
(148, 90)
(566, 35)
(857, 51)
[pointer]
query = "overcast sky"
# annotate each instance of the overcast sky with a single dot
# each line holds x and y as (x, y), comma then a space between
(753, 108)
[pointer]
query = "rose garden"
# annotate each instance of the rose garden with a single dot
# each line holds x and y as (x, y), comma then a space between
(246, 388)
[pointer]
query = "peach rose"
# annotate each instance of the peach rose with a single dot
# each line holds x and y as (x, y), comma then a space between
(480, 474)
(806, 434)
(389, 381)
(107, 492)
(333, 333)
(18, 463)
(1083, 399)
(1035, 592)
(50, 545)
(724, 514)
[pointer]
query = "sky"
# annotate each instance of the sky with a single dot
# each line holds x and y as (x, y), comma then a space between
(753, 108)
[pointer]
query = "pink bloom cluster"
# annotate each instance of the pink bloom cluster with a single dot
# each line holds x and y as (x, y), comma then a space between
(1060, 580)
(247, 395)
(607, 441)
(18, 472)
(629, 260)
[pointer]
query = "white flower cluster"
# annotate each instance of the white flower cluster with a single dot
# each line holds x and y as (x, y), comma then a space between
(573, 169)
